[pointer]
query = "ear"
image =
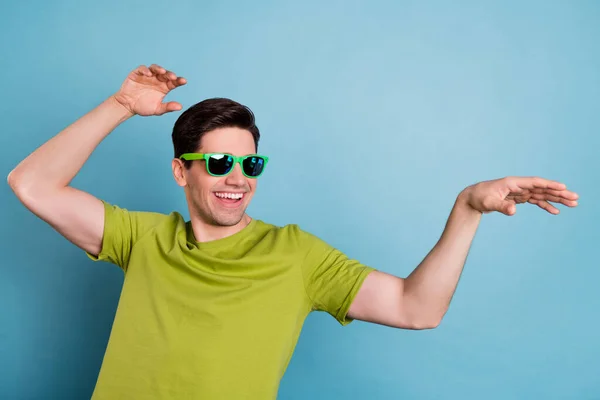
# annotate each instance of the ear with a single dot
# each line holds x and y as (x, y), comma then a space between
(179, 172)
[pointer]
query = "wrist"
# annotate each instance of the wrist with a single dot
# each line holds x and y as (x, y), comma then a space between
(123, 111)
(463, 200)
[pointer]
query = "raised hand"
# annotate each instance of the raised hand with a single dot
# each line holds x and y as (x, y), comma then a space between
(504, 194)
(143, 91)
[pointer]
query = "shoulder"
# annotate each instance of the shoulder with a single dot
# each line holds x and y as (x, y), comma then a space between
(151, 216)
(142, 221)
(293, 234)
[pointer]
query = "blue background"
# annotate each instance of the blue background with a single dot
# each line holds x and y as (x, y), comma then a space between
(445, 94)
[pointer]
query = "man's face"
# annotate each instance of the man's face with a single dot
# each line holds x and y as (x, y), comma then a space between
(220, 201)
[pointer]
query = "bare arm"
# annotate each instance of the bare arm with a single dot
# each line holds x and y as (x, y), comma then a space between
(41, 181)
(421, 300)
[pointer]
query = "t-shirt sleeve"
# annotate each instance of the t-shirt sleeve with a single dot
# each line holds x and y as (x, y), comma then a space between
(332, 279)
(122, 230)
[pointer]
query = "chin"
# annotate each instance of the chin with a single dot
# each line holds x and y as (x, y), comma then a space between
(228, 220)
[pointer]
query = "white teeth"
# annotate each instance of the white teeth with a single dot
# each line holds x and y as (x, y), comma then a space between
(226, 195)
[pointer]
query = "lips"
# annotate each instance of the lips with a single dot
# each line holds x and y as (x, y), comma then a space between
(229, 199)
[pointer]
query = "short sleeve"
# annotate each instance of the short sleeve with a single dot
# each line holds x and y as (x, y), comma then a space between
(332, 279)
(122, 230)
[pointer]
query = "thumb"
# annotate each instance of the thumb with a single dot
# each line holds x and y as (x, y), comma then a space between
(168, 107)
(495, 204)
(507, 207)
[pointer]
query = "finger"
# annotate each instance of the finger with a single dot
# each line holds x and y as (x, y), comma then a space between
(167, 76)
(566, 194)
(159, 72)
(143, 70)
(157, 69)
(544, 205)
(162, 78)
(164, 75)
(554, 199)
(172, 84)
(171, 75)
(174, 80)
(538, 183)
(169, 107)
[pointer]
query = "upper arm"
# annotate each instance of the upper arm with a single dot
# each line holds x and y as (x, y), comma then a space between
(75, 214)
(382, 300)
(331, 279)
(104, 231)
(379, 300)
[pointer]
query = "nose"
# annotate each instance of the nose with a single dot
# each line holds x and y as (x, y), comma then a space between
(236, 177)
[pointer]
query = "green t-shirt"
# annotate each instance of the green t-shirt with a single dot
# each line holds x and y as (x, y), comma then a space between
(213, 320)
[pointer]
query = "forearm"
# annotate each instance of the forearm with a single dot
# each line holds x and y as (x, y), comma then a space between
(54, 164)
(430, 287)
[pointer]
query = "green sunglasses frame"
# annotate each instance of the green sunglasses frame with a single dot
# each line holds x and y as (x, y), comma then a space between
(236, 160)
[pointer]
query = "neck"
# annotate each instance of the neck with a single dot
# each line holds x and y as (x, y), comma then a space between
(204, 232)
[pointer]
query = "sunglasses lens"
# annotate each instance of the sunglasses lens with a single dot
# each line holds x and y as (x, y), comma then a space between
(253, 166)
(220, 164)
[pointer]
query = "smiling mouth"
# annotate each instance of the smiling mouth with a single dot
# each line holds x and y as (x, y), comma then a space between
(230, 199)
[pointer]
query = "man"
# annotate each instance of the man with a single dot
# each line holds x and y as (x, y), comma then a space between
(212, 308)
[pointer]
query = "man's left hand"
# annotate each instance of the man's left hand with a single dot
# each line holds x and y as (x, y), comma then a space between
(504, 194)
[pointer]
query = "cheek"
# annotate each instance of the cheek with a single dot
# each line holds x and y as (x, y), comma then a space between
(204, 183)
(252, 183)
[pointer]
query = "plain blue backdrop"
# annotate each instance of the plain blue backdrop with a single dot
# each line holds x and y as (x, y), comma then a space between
(443, 94)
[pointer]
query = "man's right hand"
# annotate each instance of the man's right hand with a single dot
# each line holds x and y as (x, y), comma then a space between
(143, 91)
(41, 181)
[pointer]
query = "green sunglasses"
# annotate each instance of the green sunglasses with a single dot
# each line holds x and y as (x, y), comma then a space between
(221, 164)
